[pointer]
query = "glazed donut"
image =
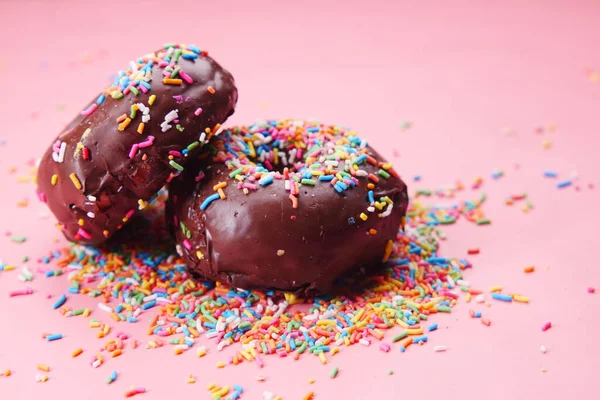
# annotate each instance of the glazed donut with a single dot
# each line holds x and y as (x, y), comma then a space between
(128, 142)
(287, 205)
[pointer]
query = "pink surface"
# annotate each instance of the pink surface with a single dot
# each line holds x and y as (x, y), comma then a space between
(461, 74)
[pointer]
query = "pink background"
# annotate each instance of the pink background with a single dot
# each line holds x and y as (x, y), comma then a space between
(461, 73)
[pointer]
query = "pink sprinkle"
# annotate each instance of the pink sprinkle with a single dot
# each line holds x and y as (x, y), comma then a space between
(546, 326)
(163, 64)
(89, 110)
(250, 186)
(84, 234)
(56, 146)
(147, 143)
(143, 89)
(384, 347)
(187, 245)
(127, 90)
(259, 362)
(282, 353)
(178, 99)
(200, 176)
(42, 196)
(129, 213)
(22, 292)
(166, 73)
(175, 153)
(591, 290)
(299, 154)
(134, 150)
(269, 165)
(198, 111)
(185, 77)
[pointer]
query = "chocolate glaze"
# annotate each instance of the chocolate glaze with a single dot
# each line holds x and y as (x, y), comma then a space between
(240, 237)
(116, 181)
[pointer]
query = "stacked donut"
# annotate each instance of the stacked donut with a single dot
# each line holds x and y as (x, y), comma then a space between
(289, 205)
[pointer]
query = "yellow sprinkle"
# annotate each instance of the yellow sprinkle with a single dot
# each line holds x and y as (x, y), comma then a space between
(191, 379)
(199, 255)
(152, 99)
(415, 331)
(75, 181)
(496, 289)
(140, 129)
(280, 252)
(322, 357)
(43, 367)
(86, 312)
(142, 204)
(211, 386)
(221, 194)
(311, 380)
(335, 350)
(54, 179)
(220, 364)
(468, 297)
(520, 299)
(363, 216)
(124, 124)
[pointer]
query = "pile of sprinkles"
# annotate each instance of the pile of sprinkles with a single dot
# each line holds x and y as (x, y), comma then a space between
(297, 153)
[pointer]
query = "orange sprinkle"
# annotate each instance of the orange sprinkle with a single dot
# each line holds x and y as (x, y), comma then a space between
(169, 81)
(486, 321)
(116, 353)
(372, 231)
(76, 353)
(294, 200)
(124, 124)
(211, 90)
(220, 185)
(140, 129)
(529, 269)
(221, 194)
(309, 396)
(122, 118)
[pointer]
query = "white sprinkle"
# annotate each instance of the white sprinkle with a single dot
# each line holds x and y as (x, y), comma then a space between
(364, 342)
(361, 173)
(439, 349)
(91, 198)
(543, 349)
(202, 137)
(61, 154)
(96, 364)
(387, 212)
(137, 312)
(105, 308)
(212, 334)
(371, 209)
(268, 396)
(462, 282)
(150, 298)
(451, 282)
(55, 157)
(363, 144)
(182, 347)
(480, 298)
(91, 214)
(287, 184)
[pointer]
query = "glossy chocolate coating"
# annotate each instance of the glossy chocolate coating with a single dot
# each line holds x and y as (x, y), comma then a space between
(241, 237)
(116, 181)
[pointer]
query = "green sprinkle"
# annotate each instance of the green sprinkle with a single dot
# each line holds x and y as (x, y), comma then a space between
(175, 165)
(175, 72)
(78, 312)
(445, 309)
(264, 347)
(334, 372)
(483, 221)
(168, 45)
(132, 113)
(177, 55)
(193, 145)
(179, 128)
(295, 178)
(25, 259)
(302, 348)
(235, 173)
(447, 221)
(134, 90)
(198, 294)
(424, 192)
(18, 239)
(310, 182)
(391, 372)
(399, 337)
(117, 95)
(383, 173)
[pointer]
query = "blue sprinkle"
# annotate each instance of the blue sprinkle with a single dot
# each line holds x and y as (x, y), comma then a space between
(326, 178)
(61, 300)
(420, 339)
(209, 200)
(267, 180)
(100, 99)
(53, 337)
(563, 184)
(478, 314)
(371, 197)
(148, 305)
(360, 159)
(131, 319)
(550, 174)
(502, 297)
(189, 56)
(432, 327)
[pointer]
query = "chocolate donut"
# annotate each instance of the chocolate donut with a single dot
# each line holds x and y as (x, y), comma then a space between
(287, 205)
(133, 138)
